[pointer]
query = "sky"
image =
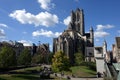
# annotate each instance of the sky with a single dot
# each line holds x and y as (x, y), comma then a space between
(34, 21)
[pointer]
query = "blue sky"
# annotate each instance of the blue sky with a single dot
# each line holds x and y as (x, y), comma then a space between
(31, 21)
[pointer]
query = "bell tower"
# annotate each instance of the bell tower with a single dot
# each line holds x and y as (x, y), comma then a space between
(79, 21)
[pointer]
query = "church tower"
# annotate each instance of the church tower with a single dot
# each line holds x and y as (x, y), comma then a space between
(77, 21)
(74, 39)
(80, 21)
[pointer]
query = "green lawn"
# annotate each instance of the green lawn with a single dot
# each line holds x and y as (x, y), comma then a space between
(31, 73)
(81, 71)
(18, 77)
(23, 77)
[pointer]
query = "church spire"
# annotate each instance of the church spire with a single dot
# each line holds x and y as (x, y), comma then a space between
(91, 28)
(105, 43)
(92, 35)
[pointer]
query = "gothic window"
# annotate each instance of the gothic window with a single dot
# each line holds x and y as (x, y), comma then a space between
(65, 47)
(78, 17)
(90, 54)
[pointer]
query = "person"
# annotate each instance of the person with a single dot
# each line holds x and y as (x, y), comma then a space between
(68, 77)
(98, 74)
(55, 75)
(62, 74)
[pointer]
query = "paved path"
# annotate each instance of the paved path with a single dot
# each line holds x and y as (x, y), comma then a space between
(65, 76)
(86, 79)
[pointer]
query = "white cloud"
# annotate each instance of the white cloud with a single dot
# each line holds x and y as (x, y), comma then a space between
(67, 20)
(24, 32)
(3, 25)
(46, 4)
(97, 40)
(102, 27)
(43, 18)
(26, 43)
(118, 31)
(45, 33)
(101, 34)
(2, 33)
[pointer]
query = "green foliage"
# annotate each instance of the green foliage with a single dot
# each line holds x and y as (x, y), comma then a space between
(60, 62)
(7, 57)
(82, 71)
(37, 59)
(91, 65)
(50, 56)
(79, 58)
(24, 58)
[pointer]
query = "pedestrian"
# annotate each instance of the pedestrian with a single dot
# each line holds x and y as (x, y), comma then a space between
(68, 77)
(98, 74)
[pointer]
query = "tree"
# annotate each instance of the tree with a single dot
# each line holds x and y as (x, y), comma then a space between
(24, 58)
(79, 58)
(60, 62)
(7, 57)
(50, 56)
(37, 59)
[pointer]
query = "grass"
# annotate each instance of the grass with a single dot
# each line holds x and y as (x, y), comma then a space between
(81, 71)
(37, 68)
(23, 77)
(18, 77)
(31, 73)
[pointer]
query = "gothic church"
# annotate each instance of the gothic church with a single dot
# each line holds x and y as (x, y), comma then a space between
(74, 39)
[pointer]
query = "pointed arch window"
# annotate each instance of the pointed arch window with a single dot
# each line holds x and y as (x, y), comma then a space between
(78, 17)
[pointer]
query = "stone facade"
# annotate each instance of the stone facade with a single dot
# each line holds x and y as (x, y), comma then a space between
(74, 39)
(100, 54)
(18, 47)
(116, 50)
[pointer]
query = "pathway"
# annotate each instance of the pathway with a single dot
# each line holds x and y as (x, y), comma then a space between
(86, 79)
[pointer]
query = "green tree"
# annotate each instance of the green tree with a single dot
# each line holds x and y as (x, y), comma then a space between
(37, 59)
(50, 56)
(7, 57)
(79, 58)
(60, 62)
(24, 58)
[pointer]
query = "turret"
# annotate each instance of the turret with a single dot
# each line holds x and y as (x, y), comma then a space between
(104, 48)
(92, 35)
